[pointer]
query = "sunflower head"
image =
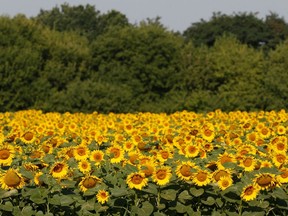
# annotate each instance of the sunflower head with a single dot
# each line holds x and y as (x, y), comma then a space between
(225, 182)
(12, 179)
(265, 181)
(250, 192)
(136, 180)
(84, 166)
(184, 170)
(59, 170)
(201, 178)
(89, 182)
(81, 152)
(102, 196)
(7, 153)
(162, 175)
(97, 156)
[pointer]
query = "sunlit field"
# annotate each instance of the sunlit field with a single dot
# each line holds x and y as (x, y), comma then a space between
(183, 163)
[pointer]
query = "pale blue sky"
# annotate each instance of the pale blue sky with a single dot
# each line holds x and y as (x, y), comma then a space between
(175, 14)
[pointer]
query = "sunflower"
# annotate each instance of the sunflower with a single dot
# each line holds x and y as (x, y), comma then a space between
(207, 146)
(280, 146)
(116, 153)
(201, 178)
(265, 163)
(184, 170)
(133, 157)
(250, 192)
(7, 153)
(208, 134)
(281, 130)
(252, 137)
(283, 177)
(248, 163)
(264, 132)
(220, 173)
(59, 170)
(265, 181)
(191, 150)
(102, 196)
(89, 182)
(36, 178)
(11, 179)
(128, 146)
(30, 166)
(162, 175)
(37, 154)
(279, 159)
(246, 149)
(136, 180)
(81, 152)
(28, 137)
(84, 166)
(225, 182)
(224, 158)
(148, 169)
(163, 155)
(97, 156)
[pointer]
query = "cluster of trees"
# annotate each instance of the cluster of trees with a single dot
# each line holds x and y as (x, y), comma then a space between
(76, 59)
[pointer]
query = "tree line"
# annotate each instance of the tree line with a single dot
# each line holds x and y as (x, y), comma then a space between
(77, 59)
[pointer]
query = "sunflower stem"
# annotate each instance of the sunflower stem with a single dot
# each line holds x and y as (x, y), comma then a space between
(158, 198)
(240, 208)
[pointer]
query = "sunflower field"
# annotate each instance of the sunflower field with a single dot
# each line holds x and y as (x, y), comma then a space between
(184, 163)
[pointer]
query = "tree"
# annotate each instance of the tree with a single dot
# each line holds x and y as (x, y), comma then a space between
(226, 76)
(275, 78)
(20, 61)
(85, 20)
(143, 57)
(246, 27)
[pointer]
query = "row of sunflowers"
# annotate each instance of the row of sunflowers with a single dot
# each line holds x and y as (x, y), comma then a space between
(183, 163)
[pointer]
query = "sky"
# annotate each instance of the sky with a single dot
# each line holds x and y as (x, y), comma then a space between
(176, 15)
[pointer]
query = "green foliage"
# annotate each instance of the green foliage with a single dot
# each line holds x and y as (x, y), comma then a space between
(85, 20)
(247, 28)
(73, 58)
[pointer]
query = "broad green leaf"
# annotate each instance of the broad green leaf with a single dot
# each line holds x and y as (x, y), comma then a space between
(49, 158)
(7, 206)
(210, 201)
(151, 188)
(39, 213)
(4, 193)
(180, 208)
(280, 193)
(159, 214)
(249, 213)
(27, 174)
(184, 195)
(89, 205)
(196, 192)
(161, 206)
(146, 209)
(219, 202)
(27, 210)
(118, 192)
(231, 213)
(55, 200)
(264, 204)
(130, 168)
(229, 165)
(169, 194)
(66, 200)
(37, 198)
(216, 213)
(100, 208)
